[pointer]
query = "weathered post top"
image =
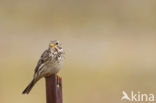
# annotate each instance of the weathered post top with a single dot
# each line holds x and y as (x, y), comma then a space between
(53, 89)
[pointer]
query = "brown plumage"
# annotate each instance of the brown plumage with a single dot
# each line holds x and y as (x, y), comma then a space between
(50, 63)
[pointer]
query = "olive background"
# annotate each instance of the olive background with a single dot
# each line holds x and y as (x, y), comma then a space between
(110, 46)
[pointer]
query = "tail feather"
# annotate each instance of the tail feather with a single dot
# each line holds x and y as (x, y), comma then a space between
(29, 87)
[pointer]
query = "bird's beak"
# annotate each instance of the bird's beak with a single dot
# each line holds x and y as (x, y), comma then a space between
(52, 45)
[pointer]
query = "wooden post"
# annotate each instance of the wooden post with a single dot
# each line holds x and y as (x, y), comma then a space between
(53, 89)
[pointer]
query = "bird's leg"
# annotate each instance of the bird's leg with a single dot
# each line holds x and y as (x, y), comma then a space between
(58, 80)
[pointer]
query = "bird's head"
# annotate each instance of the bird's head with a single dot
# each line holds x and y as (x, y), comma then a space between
(54, 44)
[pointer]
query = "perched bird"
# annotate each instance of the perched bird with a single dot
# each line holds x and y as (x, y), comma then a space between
(49, 63)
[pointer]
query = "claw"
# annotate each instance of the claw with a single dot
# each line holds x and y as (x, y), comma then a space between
(58, 80)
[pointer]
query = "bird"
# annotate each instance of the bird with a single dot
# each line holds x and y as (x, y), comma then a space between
(49, 63)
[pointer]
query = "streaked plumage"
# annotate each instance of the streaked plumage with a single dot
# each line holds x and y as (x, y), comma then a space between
(50, 63)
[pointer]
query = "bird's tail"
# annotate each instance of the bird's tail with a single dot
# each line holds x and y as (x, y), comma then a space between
(29, 87)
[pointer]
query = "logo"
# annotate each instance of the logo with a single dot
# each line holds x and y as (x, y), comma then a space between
(137, 96)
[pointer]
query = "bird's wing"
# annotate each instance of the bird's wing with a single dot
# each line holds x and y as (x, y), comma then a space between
(43, 59)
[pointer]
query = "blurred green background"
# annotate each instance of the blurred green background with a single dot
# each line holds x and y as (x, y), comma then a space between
(110, 47)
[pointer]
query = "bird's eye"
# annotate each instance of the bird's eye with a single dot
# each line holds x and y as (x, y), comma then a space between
(56, 43)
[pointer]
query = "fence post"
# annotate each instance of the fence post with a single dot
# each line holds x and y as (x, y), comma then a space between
(53, 89)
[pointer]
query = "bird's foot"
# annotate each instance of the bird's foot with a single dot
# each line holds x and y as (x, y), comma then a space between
(59, 80)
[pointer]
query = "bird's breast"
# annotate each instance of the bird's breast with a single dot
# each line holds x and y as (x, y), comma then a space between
(54, 67)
